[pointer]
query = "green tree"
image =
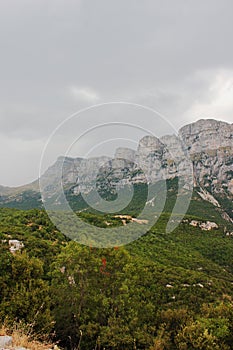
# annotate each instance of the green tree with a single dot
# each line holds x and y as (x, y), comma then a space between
(27, 297)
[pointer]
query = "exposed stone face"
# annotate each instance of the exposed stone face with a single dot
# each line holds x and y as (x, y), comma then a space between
(205, 226)
(202, 149)
(207, 134)
(15, 245)
(150, 157)
(210, 145)
(149, 144)
(125, 153)
(5, 341)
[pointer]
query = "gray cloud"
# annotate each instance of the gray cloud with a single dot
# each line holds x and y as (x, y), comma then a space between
(58, 56)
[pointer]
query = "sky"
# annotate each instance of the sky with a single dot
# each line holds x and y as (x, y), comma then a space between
(61, 56)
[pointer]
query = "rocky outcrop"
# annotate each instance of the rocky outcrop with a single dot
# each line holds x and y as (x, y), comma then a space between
(15, 245)
(5, 341)
(205, 226)
(203, 148)
(210, 146)
(201, 153)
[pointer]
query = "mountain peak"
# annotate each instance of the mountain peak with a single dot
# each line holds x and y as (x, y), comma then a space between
(150, 142)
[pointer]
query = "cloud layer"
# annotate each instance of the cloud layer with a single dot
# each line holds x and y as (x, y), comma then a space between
(59, 56)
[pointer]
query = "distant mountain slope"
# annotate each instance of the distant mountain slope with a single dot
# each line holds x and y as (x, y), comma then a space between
(203, 149)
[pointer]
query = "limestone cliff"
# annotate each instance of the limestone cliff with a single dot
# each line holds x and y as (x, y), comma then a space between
(203, 149)
(205, 144)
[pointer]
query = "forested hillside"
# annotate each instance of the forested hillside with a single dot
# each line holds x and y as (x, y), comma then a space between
(163, 291)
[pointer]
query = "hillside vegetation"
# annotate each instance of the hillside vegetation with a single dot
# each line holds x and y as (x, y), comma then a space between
(163, 291)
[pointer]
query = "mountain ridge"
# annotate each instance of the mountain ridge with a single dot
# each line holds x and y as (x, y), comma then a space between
(202, 152)
(119, 151)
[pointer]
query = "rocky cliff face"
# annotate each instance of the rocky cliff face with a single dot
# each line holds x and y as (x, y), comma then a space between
(201, 153)
(203, 148)
(210, 145)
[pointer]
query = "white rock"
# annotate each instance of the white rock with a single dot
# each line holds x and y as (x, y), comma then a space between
(5, 341)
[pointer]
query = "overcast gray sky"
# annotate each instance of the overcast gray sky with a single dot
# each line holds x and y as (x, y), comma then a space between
(58, 56)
